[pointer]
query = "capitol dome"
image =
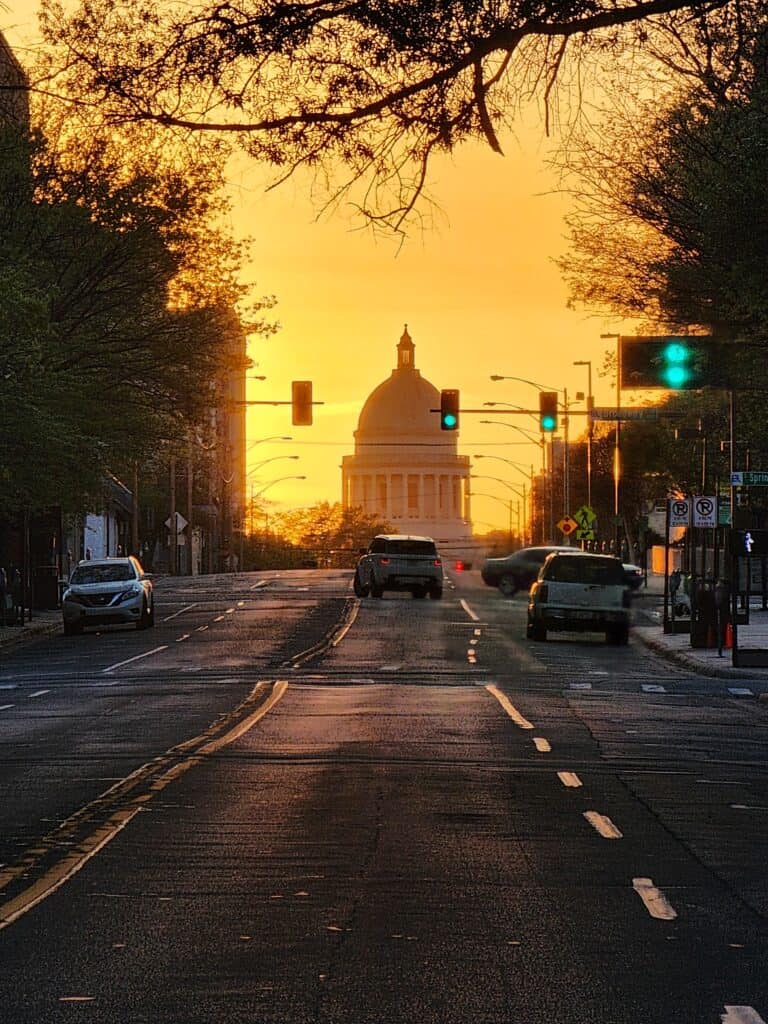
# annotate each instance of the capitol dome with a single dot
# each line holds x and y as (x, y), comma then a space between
(400, 407)
(405, 468)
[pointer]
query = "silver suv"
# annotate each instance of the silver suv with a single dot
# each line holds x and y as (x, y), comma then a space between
(582, 592)
(108, 591)
(397, 562)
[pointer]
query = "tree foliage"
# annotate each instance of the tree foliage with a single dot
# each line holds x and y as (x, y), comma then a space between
(378, 87)
(106, 348)
(331, 526)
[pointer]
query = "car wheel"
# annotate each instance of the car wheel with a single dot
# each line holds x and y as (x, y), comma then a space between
(436, 593)
(377, 591)
(72, 629)
(359, 587)
(143, 620)
(508, 586)
(619, 637)
(538, 632)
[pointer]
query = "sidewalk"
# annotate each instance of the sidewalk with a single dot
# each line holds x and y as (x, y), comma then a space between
(677, 646)
(42, 624)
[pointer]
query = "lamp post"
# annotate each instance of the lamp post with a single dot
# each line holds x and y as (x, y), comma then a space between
(521, 494)
(617, 444)
(504, 501)
(262, 440)
(258, 465)
(590, 407)
(529, 475)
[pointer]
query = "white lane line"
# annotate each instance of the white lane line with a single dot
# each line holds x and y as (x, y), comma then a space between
(511, 710)
(602, 823)
(580, 686)
(569, 779)
(183, 637)
(470, 611)
(477, 632)
(240, 604)
(201, 629)
(38, 693)
(655, 901)
(180, 612)
(741, 1015)
(229, 611)
(598, 672)
(474, 641)
(652, 688)
(4, 707)
(347, 626)
(219, 618)
(541, 744)
(740, 691)
(261, 583)
(138, 657)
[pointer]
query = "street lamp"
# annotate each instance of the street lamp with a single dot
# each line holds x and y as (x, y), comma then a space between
(509, 462)
(504, 501)
(279, 480)
(521, 494)
(590, 407)
(617, 444)
(526, 433)
(261, 440)
(274, 458)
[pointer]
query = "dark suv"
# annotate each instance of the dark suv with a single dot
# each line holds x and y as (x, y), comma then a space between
(517, 571)
(397, 562)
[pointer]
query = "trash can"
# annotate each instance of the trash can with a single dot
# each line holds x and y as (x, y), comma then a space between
(703, 614)
(45, 587)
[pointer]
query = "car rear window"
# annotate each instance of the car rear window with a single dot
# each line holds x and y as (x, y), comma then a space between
(410, 547)
(102, 574)
(583, 569)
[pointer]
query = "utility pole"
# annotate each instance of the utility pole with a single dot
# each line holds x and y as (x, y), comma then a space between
(172, 551)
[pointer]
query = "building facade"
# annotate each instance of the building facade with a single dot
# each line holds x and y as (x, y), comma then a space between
(405, 468)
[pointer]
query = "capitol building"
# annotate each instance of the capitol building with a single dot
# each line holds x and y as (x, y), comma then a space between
(405, 468)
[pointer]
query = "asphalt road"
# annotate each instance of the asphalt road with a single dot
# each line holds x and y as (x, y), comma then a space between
(286, 805)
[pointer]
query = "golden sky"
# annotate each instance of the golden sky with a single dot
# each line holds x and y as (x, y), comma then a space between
(480, 294)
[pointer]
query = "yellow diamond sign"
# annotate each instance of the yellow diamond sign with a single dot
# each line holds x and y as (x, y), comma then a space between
(567, 525)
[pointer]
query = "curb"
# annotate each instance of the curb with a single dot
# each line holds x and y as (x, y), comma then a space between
(688, 661)
(28, 634)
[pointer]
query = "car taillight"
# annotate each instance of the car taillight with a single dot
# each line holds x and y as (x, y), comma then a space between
(458, 566)
(383, 561)
(438, 561)
(543, 592)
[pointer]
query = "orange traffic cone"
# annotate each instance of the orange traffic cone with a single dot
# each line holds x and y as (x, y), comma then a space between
(728, 644)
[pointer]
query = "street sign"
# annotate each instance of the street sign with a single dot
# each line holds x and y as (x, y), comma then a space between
(645, 412)
(705, 512)
(181, 522)
(567, 525)
(587, 534)
(585, 516)
(679, 512)
(749, 478)
(724, 511)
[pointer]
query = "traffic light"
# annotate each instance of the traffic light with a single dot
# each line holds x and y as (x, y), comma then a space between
(301, 403)
(548, 411)
(674, 364)
(449, 409)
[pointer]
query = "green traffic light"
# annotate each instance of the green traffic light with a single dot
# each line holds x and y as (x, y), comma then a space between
(449, 421)
(675, 369)
(548, 423)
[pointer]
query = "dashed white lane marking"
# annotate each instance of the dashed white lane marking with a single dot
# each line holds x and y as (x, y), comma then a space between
(511, 710)
(138, 657)
(201, 629)
(741, 1015)
(4, 707)
(569, 779)
(180, 612)
(477, 632)
(740, 691)
(219, 618)
(261, 583)
(602, 823)
(473, 641)
(598, 672)
(229, 611)
(541, 744)
(240, 604)
(748, 807)
(38, 693)
(183, 637)
(470, 611)
(655, 901)
(652, 688)
(580, 686)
